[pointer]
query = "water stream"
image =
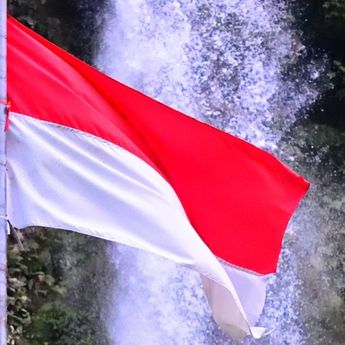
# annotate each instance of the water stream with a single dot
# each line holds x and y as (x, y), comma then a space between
(239, 65)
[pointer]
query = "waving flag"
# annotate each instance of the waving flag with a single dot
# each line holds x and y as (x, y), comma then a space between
(89, 154)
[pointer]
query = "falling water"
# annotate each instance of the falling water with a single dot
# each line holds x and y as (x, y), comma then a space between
(236, 64)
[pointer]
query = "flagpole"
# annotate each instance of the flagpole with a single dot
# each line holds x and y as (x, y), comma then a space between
(3, 225)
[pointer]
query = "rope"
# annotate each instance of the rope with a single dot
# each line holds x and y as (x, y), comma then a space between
(15, 232)
(7, 105)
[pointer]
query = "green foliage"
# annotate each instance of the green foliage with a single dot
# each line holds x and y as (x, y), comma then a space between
(334, 10)
(339, 73)
(30, 284)
(58, 324)
(51, 300)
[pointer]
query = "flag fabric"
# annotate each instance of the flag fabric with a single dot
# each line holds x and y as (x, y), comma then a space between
(89, 154)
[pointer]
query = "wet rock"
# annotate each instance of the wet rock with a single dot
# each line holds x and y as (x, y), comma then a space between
(72, 24)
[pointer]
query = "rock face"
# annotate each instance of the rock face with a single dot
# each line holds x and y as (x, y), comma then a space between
(319, 243)
(323, 23)
(71, 24)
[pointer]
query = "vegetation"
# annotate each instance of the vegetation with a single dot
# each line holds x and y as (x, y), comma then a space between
(334, 10)
(52, 298)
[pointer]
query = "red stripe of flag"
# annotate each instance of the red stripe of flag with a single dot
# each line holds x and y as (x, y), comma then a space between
(237, 197)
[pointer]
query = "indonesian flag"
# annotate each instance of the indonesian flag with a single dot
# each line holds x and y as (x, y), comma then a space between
(89, 154)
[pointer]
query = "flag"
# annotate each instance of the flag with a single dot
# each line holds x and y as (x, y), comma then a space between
(89, 154)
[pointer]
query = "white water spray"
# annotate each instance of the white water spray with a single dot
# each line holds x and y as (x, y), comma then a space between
(231, 63)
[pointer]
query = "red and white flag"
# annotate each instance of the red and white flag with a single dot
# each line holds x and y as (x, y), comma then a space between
(89, 154)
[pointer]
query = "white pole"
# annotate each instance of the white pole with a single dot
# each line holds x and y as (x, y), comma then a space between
(3, 225)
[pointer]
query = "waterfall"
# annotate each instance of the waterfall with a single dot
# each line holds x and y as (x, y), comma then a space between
(239, 65)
